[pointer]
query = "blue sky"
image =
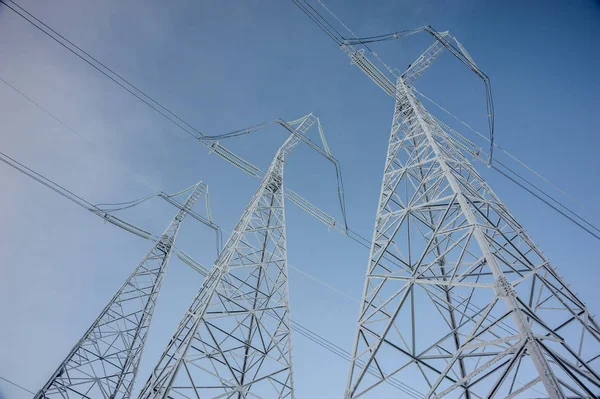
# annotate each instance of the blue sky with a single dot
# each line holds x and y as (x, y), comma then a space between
(227, 65)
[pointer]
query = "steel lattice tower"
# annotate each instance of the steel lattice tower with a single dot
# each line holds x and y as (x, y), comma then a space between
(104, 362)
(458, 301)
(234, 341)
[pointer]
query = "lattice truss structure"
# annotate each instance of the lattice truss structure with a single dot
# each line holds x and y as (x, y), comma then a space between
(458, 301)
(234, 341)
(104, 362)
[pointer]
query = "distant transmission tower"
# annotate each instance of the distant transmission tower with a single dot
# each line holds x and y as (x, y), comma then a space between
(458, 301)
(104, 362)
(234, 341)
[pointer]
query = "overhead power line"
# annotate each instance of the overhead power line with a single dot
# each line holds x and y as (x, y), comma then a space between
(57, 188)
(75, 132)
(106, 214)
(322, 23)
(515, 181)
(148, 100)
(103, 69)
(516, 178)
(16, 385)
(180, 122)
(513, 157)
(209, 141)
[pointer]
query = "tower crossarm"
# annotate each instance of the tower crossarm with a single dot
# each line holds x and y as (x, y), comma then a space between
(425, 60)
(298, 134)
(358, 58)
(207, 221)
(104, 362)
(416, 69)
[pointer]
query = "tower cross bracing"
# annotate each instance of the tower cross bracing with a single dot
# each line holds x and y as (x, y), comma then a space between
(235, 340)
(104, 362)
(458, 299)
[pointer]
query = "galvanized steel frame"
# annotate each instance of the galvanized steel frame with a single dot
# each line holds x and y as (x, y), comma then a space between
(104, 362)
(444, 245)
(235, 339)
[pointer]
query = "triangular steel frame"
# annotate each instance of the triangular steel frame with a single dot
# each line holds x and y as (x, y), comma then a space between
(458, 301)
(104, 362)
(235, 340)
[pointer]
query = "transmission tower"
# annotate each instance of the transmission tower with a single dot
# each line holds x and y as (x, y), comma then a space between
(104, 362)
(458, 301)
(234, 341)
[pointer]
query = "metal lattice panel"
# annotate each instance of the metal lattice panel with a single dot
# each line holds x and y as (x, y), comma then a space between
(234, 341)
(458, 300)
(104, 362)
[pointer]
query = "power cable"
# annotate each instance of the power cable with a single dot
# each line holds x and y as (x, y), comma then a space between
(314, 17)
(469, 63)
(383, 38)
(57, 188)
(237, 133)
(17, 385)
(364, 43)
(557, 204)
(324, 20)
(106, 213)
(127, 203)
(132, 89)
(310, 276)
(546, 202)
(519, 161)
(319, 21)
(560, 204)
(464, 58)
(69, 128)
(224, 153)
